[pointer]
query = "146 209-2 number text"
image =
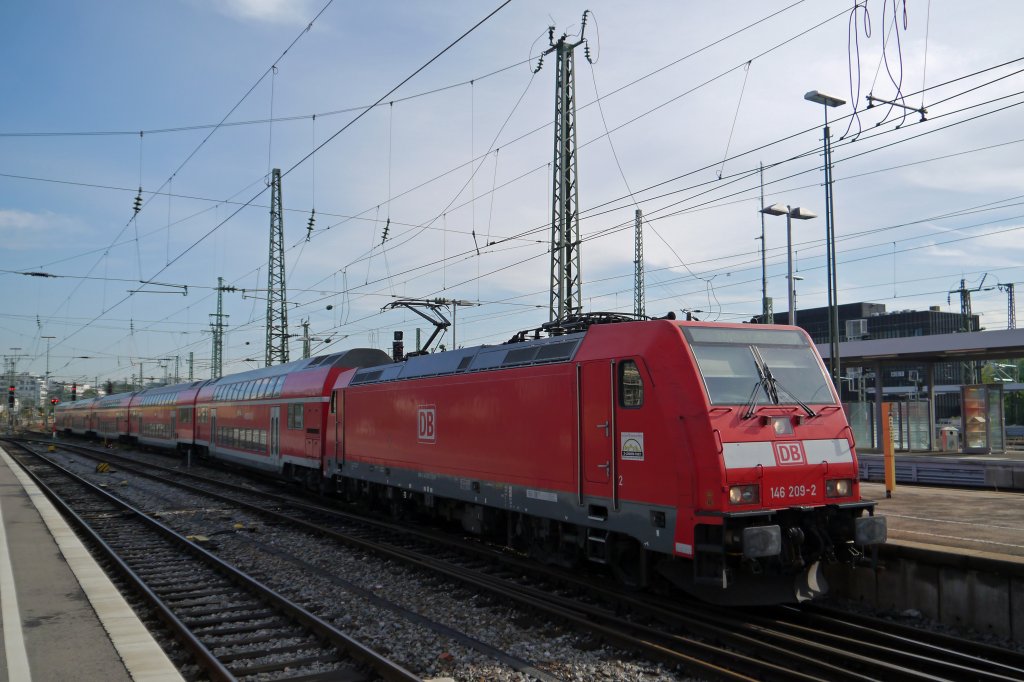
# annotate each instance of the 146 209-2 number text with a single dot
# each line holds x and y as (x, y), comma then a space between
(780, 492)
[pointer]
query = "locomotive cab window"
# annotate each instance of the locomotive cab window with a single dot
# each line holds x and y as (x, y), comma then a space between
(631, 385)
(758, 366)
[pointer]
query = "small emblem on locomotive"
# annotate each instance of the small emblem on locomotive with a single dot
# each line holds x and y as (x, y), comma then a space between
(789, 453)
(426, 424)
(632, 445)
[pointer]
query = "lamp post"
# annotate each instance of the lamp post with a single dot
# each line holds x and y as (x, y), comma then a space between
(830, 237)
(46, 381)
(800, 214)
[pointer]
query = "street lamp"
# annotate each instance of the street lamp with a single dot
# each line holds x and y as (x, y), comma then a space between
(830, 237)
(46, 380)
(800, 214)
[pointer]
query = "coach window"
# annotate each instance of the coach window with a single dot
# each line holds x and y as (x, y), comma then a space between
(631, 385)
(295, 416)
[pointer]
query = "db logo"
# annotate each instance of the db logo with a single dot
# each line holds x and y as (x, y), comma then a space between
(426, 424)
(789, 453)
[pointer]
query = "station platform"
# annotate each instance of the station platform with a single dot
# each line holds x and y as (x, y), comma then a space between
(1000, 471)
(979, 523)
(62, 618)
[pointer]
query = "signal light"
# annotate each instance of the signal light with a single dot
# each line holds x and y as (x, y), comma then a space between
(74, 391)
(54, 401)
(10, 396)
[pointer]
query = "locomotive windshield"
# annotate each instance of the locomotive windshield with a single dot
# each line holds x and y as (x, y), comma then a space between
(758, 366)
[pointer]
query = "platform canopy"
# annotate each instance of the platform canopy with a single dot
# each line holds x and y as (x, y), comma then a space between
(984, 345)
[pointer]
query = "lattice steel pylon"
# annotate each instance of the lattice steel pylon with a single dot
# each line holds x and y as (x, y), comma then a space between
(1011, 305)
(566, 295)
(277, 299)
(217, 325)
(638, 266)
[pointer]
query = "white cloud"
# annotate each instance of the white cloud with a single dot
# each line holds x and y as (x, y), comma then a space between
(269, 11)
(25, 230)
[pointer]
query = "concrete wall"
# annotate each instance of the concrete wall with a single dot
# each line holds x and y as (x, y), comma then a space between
(955, 589)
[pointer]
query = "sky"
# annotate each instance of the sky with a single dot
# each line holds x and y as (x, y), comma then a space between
(684, 111)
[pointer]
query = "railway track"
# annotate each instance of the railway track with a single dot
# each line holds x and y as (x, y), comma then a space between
(772, 644)
(234, 627)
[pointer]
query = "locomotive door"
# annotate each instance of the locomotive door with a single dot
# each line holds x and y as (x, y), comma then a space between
(597, 425)
(274, 440)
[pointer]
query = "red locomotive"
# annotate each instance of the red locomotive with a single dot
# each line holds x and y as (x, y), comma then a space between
(716, 456)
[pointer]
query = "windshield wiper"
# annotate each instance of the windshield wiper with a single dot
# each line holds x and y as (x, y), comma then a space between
(765, 381)
(771, 386)
(752, 401)
(808, 410)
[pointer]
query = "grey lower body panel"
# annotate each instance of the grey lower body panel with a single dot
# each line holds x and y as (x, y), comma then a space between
(247, 459)
(651, 524)
(158, 442)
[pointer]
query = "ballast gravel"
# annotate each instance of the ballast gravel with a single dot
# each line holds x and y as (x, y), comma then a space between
(366, 597)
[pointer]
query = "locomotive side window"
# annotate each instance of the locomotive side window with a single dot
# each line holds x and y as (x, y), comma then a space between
(631, 385)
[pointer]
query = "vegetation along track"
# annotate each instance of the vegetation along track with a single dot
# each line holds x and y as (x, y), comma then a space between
(235, 627)
(769, 644)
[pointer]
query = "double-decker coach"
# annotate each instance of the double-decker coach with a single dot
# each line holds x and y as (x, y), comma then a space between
(110, 416)
(76, 417)
(163, 417)
(274, 418)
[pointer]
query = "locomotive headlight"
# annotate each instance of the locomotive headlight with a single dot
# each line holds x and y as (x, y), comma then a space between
(782, 426)
(838, 487)
(744, 494)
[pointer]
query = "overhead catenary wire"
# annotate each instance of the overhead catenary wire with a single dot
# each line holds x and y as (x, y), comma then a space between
(307, 156)
(191, 155)
(636, 80)
(945, 156)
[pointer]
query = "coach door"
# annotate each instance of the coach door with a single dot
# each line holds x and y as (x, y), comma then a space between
(338, 407)
(274, 439)
(213, 428)
(595, 397)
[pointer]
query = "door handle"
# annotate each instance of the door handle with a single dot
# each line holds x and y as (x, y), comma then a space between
(603, 426)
